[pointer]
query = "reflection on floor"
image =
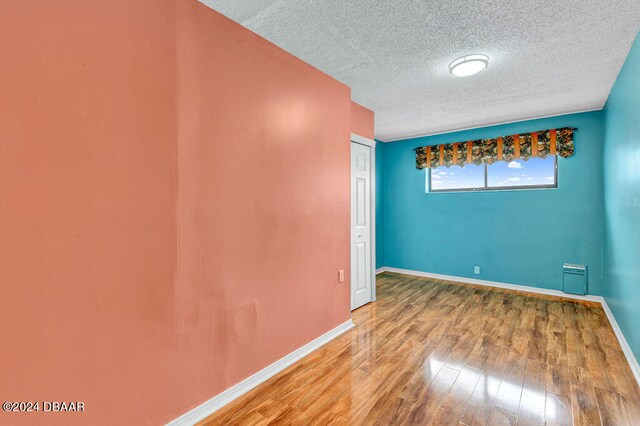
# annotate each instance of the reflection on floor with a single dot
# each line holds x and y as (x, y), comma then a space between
(436, 352)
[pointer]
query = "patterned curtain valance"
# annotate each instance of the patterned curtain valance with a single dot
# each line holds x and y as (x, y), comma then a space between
(506, 148)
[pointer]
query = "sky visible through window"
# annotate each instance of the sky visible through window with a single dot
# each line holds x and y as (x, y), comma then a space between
(456, 177)
(536, 171)
(517, 173)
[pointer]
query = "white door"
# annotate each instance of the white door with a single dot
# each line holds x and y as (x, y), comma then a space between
(361, 265)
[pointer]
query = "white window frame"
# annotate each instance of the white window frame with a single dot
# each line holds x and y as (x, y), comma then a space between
(487, 188)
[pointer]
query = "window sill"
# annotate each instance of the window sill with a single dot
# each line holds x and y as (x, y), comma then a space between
(457, 191)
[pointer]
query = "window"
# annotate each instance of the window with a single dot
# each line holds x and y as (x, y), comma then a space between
(502, 175)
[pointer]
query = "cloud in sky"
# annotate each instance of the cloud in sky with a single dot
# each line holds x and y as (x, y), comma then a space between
(514, 165)
(513, 179)
(434, 176)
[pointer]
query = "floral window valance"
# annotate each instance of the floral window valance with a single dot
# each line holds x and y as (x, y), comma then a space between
(506, 148)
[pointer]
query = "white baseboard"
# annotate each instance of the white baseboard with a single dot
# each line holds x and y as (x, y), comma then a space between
(206, 409)
(492, 284)
(626, 349)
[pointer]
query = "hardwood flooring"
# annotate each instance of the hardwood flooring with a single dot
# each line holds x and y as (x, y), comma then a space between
(444, 353)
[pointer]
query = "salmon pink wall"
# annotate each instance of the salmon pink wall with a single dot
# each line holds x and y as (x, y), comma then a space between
(175, 206)
(361, 121)
(263, 201)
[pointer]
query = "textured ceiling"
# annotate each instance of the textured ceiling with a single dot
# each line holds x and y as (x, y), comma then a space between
(547, 57)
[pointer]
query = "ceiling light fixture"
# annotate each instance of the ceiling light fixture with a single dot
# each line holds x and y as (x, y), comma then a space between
(468, 65)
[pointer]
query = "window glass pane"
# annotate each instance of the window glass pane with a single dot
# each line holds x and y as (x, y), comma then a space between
(535, 172)
(456, 177)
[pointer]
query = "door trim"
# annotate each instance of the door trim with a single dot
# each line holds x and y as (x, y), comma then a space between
(362, 140)
(372, 144)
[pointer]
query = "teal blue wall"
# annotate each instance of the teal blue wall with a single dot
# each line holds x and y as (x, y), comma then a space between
(622, 199)
(519, 237)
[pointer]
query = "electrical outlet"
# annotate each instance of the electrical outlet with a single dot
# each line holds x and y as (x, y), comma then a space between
(341, 275)
(476, 270)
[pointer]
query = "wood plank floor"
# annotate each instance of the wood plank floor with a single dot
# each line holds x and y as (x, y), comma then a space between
(443, 353)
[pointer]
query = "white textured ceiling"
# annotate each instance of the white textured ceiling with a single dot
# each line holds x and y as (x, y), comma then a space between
(547, 57)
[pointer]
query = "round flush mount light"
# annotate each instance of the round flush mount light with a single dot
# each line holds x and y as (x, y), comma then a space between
(468, 65)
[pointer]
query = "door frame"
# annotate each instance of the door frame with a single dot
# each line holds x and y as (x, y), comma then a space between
(361, 140)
